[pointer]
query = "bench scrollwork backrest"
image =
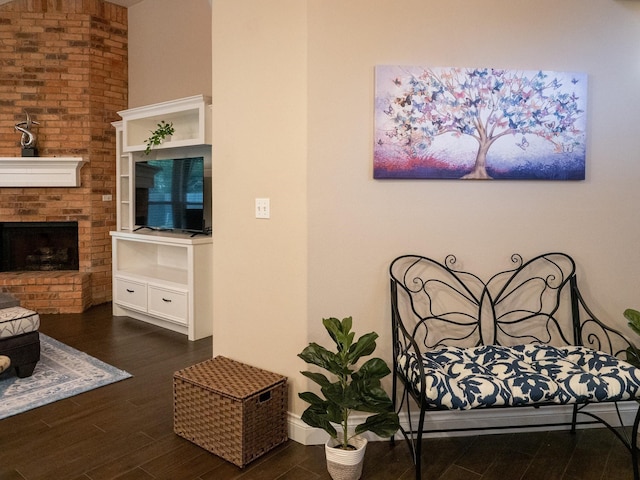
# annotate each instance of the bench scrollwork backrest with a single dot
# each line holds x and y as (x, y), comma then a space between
(436, 304)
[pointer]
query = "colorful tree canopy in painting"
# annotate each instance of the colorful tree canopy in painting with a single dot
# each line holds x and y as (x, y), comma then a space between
(479, 123)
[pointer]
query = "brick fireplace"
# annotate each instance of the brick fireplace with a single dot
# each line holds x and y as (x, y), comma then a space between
(65, 63)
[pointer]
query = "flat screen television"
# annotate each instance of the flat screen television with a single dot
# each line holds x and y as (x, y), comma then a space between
(173, 194)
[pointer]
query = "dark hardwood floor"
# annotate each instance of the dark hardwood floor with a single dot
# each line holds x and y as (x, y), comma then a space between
(125, 430)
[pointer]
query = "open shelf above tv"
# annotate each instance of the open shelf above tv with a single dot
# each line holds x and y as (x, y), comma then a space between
(190, 117)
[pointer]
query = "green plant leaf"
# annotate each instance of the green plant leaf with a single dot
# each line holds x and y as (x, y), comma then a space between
(373, 368)
(333, 327)
(382, 424)
(318, 418)
(335, 414)
(339, 332)
(634, 319)
(365, 345)
(632, 357)
(318, 355)
(374, 399)
(347, 323)
(312, 398)
(344, 397)
(317, 377)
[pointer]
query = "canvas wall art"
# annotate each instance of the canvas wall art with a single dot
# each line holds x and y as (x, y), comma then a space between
(479, 123)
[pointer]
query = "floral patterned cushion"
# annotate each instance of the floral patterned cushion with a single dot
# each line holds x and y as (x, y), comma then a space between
(492, 375)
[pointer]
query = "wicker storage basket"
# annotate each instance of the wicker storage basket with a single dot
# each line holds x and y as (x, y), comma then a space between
(233, 410)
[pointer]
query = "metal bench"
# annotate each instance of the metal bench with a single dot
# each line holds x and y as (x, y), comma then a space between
(523, 338)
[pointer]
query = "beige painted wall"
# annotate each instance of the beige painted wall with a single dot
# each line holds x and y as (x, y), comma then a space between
(482, 222)
(260, 150)
(293, 108)
(169, 50)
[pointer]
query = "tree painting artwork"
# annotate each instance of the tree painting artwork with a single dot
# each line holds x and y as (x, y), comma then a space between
(479, 123)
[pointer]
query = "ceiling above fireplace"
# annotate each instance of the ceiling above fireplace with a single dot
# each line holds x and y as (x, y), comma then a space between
(40, 171)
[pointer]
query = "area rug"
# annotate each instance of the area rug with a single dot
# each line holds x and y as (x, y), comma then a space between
(62, 372)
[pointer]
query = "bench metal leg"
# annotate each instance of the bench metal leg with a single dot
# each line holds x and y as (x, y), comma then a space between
(413, 436)
(574, 418)
(634, 445)
(418, 446)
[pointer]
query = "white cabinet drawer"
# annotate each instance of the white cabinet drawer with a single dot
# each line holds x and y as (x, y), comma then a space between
(169, 304)
(130, 293)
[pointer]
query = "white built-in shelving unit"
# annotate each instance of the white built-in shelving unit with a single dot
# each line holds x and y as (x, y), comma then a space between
(162, 278)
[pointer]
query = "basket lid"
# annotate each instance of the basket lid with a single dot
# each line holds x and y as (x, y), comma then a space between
(229, 377)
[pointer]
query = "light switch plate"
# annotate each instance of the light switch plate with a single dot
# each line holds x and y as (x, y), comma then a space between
(263, 208)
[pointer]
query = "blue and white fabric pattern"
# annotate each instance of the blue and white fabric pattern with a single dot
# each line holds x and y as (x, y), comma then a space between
(493, 375)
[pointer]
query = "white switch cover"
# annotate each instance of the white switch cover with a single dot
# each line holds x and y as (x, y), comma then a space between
(263, 208)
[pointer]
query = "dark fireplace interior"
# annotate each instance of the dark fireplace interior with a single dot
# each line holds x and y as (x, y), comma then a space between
(38, 246)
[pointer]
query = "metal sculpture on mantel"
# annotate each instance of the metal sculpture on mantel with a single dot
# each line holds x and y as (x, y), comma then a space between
(28, 139)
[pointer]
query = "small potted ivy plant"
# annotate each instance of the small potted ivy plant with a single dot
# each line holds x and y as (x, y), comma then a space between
(159, 135)
(350, 389)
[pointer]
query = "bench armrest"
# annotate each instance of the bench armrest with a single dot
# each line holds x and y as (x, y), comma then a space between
(592, 332)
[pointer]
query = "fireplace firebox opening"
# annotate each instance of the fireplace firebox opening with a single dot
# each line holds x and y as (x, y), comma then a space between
(38, 246)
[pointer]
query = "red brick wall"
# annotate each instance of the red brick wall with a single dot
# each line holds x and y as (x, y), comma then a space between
(65, 62)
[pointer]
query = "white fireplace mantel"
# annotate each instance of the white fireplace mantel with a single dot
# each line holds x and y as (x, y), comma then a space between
(40, 171)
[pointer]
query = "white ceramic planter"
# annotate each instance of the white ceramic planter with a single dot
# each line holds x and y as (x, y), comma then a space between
(345, 464)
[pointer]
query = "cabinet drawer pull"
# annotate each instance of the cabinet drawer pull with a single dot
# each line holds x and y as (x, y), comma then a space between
(130, 291)
(168, 300)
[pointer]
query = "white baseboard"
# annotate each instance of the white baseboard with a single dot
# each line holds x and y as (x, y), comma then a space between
(534, 419)
(306, 435)
(303, 433)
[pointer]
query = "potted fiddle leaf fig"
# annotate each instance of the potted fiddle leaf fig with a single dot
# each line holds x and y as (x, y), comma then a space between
(159, 135)
(350, 389)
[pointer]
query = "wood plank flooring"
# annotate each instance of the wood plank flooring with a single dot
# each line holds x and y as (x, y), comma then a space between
(125, 430)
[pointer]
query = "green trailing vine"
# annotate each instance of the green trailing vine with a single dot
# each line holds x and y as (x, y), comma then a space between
(158, 135)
